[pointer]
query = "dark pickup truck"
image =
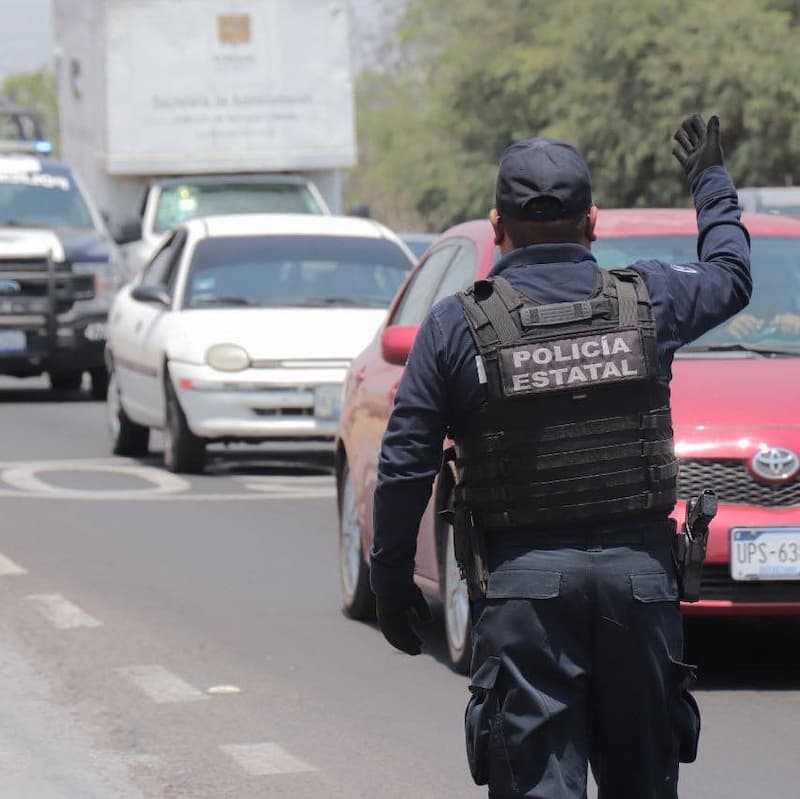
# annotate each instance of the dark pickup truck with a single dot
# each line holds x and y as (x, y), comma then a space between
(59, 269)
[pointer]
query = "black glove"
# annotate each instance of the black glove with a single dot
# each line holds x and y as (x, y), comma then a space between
(698, 145)
(394, 619)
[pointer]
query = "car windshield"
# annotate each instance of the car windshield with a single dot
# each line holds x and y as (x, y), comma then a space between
(770, 323)
(180, 203)
(295, 271)
(38, 199)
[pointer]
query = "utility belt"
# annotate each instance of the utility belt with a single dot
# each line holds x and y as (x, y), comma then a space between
(656, 533)
(472, 543)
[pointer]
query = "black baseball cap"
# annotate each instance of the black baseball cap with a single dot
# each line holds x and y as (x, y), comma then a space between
(543, 168)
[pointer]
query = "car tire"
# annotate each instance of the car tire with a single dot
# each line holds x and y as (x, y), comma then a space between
(455, 602)
(66, 381)
(127, 437)
(99, 378)
(358, 600)
(184, 452)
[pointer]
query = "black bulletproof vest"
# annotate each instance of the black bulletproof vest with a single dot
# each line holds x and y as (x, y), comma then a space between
(577, 426)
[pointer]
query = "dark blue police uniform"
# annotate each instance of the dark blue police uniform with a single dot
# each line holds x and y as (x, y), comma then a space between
(577, 652)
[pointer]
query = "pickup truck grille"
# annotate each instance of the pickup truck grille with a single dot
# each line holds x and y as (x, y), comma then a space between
(717, 583)
(26, 288)
(734, 484)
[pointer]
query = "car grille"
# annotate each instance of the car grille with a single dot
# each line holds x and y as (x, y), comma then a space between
(717, 583)
(734, 484)
(33, 287)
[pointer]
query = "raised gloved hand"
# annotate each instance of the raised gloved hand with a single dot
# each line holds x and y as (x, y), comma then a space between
(698, 146)
(394, 618)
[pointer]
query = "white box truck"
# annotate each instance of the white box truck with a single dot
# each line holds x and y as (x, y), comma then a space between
(176, 108)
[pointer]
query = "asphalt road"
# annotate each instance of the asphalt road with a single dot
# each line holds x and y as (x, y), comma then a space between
(164, 637)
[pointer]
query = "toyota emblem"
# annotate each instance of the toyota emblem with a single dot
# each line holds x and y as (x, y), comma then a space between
(775, 464)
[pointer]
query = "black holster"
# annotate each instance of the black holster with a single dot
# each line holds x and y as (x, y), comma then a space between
(689, 546)
(469, 544)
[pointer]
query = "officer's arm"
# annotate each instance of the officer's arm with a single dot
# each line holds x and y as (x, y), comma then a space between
(411, 456)
(706, 293)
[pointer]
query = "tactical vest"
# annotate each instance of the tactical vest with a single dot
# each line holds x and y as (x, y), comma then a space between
(577, 427)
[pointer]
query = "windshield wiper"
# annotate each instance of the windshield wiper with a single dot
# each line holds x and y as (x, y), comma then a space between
(350, 302)
(738, 347)
(243, 301)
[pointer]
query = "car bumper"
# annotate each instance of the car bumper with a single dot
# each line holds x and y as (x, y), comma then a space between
(259, 404)
(720, 594)
(73, 343)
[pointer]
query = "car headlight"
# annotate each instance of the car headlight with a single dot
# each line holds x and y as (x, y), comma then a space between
(227, 358)
(107, 279)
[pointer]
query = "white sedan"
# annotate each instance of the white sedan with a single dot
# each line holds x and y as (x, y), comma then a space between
(241, 328)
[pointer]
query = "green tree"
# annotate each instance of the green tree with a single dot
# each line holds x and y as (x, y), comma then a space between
(37, 91)
(613, 76)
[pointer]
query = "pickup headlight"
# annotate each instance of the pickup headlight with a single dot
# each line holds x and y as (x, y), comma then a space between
(227, 358)
(108, 279)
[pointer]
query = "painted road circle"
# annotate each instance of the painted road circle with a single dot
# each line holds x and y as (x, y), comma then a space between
(27, 477)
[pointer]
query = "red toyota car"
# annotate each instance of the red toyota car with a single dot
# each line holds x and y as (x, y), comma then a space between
(736, 410)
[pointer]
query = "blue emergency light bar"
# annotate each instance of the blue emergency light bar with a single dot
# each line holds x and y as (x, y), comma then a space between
(27, 147)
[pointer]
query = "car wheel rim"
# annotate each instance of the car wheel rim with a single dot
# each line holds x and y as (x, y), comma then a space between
(456, 604)
(113, 408)
(350, 541)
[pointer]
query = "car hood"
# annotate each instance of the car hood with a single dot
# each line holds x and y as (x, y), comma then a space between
(270, 334)
(733, 406)
(66, 244)
(84, 245)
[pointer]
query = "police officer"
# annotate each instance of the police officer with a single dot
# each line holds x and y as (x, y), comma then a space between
(552, 378)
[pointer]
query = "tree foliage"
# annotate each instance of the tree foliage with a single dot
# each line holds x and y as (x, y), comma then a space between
(463, 80)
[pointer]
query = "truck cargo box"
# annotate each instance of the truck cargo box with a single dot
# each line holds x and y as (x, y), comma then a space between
(178, 87)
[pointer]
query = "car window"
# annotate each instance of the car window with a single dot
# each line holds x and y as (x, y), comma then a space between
(460, 273)
(416, 301)
(31, 197)
(773, 316)
(296, 271)
(156, 272)
(180, 203)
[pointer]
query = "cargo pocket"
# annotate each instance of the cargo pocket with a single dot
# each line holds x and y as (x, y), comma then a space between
(482, 709)
(655, 587)
(524, 584)
(684, 712)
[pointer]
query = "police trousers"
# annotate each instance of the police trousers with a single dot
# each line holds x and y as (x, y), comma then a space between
(577, 662)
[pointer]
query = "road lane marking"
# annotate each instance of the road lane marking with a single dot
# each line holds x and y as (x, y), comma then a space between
(160, 685)
(223, 690)
(287, 492)
(26, 478)
(8, 568)
(62, 613)
(266, 759)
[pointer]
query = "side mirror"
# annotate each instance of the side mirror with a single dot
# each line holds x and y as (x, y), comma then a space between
(128, 231)
(396, 343)
(154, 295)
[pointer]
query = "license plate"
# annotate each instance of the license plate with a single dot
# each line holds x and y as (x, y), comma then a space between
(12, 341)
(767, 553)
(328, 402)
